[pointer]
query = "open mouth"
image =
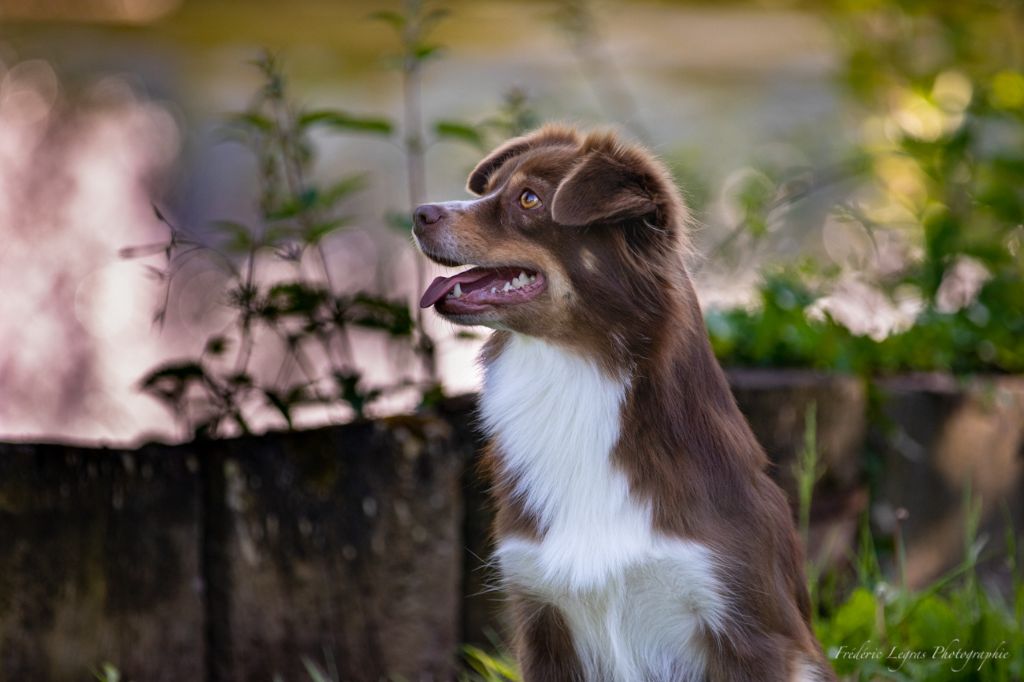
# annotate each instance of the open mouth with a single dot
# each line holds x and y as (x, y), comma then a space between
(479, 288)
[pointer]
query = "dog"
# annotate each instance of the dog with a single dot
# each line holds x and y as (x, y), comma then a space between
(637, 533)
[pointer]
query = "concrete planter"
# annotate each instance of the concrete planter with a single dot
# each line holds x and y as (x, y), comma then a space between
(365, 547)
(100, 561)
(345, 550)
(777, 403)
(935, 435)
(235, 560)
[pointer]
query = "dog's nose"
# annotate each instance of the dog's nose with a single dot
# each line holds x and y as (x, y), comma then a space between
(426, 216)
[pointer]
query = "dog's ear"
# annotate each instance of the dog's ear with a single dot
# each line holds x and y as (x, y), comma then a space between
(551, 135)
(602, 188)
(477, 182)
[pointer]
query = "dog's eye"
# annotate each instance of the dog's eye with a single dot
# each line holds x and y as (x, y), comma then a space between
(528, 199)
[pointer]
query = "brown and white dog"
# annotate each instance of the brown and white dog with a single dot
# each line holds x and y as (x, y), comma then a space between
(637, 533)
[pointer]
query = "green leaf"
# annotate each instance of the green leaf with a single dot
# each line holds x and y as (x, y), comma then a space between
(488, 667)
(243, 296)
(424, 51)
(460, 132)
(854, 622)
(295, 205)
(251, 119)
(341, 189)
(275, 235)
(182, 371)
(277, 402)
(390, 17)
(239, 237)
(374, 312)
(169, 382)
(351, 393)
(932, 622)
(315, 233)
(294, 298)
(285, 401)
(340, 120)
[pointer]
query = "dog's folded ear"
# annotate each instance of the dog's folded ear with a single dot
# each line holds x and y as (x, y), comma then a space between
(602, 188)
(478, 179)
(549, 136)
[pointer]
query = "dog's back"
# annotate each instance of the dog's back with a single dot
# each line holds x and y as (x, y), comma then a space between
(637, 532)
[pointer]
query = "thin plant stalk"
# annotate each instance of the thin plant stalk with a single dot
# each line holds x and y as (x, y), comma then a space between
(806, 471)
(415, 151)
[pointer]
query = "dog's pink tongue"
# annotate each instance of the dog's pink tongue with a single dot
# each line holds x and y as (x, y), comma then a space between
(442, 285)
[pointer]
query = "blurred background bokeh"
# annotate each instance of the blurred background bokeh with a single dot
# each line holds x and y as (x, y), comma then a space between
(204, 233)
(111, 107)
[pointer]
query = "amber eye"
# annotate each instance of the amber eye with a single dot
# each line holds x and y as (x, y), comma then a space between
(528, 199)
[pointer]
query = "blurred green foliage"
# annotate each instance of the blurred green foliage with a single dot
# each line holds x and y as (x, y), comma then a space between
(307, 319)
(785, 328)
(953, 629)
(937, 169)
(780, 332)
(486, 667)
(893, 634)
(306, 315)
(940, 171)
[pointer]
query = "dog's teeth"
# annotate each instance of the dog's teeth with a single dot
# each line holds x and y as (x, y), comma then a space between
(494, 290)
(457, 291)
(533, 278)
(518, 282)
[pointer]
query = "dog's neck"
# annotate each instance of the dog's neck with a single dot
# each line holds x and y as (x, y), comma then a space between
(542, 400)
(558, 415)
(556, 418)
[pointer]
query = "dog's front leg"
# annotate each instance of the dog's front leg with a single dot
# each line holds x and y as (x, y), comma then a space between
(543, 642)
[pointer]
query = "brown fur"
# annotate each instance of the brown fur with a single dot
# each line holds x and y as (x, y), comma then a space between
(611, 242)
(544, 643)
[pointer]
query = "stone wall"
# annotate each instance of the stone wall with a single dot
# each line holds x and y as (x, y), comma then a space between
(235, 560)
(942, 446)
(364, 548)
(99, 561)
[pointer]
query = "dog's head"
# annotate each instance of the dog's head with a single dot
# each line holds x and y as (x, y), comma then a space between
(571, 232)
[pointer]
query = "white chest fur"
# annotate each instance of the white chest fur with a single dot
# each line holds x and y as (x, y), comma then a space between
(634, 599)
